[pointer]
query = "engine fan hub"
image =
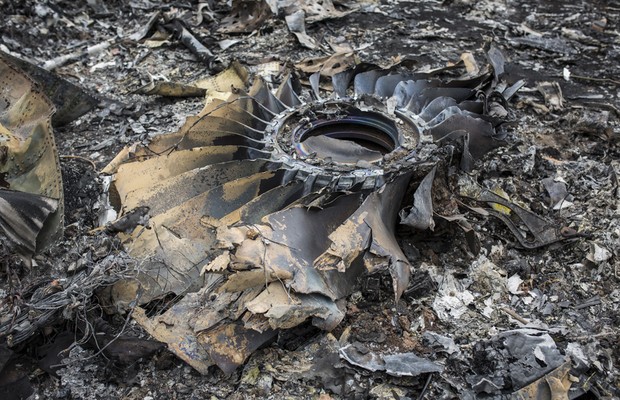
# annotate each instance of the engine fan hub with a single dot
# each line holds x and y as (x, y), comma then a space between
(343, 138)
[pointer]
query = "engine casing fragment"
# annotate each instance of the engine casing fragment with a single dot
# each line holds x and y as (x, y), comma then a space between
(268, 207)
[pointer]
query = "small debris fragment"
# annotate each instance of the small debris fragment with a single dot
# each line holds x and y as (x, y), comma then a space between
(401, 364)
(552, 94)
(420, 216)
(598, 253)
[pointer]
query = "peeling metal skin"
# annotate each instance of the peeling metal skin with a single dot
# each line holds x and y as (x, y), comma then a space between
(31, 196)
(70, 102)
(268, 207)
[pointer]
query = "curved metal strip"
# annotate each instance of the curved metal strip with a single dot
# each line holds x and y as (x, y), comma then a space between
(481, 133)
(436, 106)
(386, 85)
(262, 94)
(192, 136)
(191, 183)
(314, 84)
(449, 112)
(215, 123)
(364, 83)
(406, 91)
(497, 60)
(428, 94)
(241, 110)
(459, 94)
(513, 89)
(140, 174)
(287, 94)
(256, 108)
(267, 203)
(230, 196)
(476, 82)
(341, 81)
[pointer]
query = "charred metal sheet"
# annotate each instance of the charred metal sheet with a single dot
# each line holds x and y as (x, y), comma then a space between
(179, 338)
(552, 44)
(22, 216)
(528, 354)
(402, 364)
(31, 196)
(482, 137)
(245, 16)
(552, 93)
(369, 233)
(70, 101)
(171, 89)
(299, 12)
(420, 216)
(266, 209)
(181, 239)
(296, 24)
(539, 232)
(230, 345)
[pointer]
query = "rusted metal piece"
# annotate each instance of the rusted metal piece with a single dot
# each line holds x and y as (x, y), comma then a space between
(31, 196)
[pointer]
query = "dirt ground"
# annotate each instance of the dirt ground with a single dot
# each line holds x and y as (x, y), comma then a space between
(458, 305)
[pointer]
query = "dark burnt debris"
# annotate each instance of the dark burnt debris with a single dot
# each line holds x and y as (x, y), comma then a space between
(311, 200)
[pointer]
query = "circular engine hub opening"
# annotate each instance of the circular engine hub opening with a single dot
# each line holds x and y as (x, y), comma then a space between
(347, 138)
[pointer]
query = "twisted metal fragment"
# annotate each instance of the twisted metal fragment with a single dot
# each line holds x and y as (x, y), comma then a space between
(267, 207)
